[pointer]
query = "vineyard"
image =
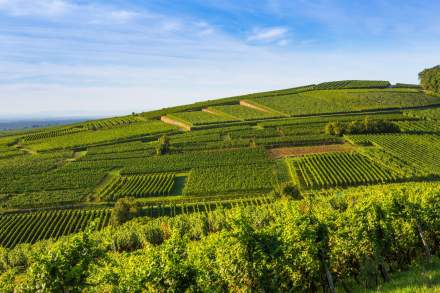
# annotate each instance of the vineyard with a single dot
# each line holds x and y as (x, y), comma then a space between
(200, 118)
(339, 169)
(352, 84)
(421, 151)
(83, 138)
(203, 206)
(337, 101)
(139, 186)
(221, 180)
(253, 184)
(32, 227)
(243, 113)
(52, 133)
(111, 122)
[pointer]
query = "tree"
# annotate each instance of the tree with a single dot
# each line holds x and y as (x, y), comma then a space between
(334, 128)
(430, 79)
(164, 145)
(125, 209)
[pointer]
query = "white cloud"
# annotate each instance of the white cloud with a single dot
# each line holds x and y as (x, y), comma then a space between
(156, 83)
(123, 16)
(35, 7)
(268, 34)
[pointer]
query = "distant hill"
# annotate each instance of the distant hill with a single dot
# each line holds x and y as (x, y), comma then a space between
(16, 124)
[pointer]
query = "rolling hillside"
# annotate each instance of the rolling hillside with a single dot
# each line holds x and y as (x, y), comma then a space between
(300, 158)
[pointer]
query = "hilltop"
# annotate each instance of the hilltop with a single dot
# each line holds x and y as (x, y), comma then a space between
(290, 169)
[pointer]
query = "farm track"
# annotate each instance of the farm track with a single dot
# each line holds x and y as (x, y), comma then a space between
(171, 121)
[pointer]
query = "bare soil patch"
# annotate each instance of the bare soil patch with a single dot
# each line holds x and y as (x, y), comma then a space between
(277, 153)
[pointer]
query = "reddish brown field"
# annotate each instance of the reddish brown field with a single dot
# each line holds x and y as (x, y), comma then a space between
(277, 153)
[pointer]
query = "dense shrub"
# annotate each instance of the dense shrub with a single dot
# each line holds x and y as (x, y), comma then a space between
(125, 209)
(361, 127)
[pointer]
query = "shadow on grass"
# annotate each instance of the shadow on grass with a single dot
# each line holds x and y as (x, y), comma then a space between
(179, 184)
(420, 278)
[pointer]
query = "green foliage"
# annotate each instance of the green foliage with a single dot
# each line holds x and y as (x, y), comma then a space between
(287, 245)
(124, 210)
(65, 267)
(430, 79)
(164, 145)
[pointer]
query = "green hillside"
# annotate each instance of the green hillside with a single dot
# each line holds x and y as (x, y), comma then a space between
(313, 188)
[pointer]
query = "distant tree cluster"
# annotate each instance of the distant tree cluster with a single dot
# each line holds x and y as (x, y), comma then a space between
(361, 127)
(430, 79)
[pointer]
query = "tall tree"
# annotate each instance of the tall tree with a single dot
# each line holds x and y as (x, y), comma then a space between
(430, 79)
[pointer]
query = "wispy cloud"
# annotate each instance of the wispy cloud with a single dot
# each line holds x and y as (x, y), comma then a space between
(35, 7)
(268, 34)
(138, 55)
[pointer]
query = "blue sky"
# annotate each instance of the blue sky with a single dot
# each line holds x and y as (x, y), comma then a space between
(70, 57)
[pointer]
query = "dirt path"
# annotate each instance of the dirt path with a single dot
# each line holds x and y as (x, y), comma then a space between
(171, 121)
(277, 153)
(249, 104)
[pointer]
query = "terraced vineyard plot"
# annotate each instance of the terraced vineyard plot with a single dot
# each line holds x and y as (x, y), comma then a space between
(139, 186)
(293, 105)
(345, 101)
(429, 114)
(112, 122)
(367, 100)
(120, 155)
(134, 146)
(277, 153)
(339, 169)
(56, 180)
(222, 180)
(52, 133)
(422, 151)
(352, 84)
(44, 198)
(419, 126)
(90, 137)
(243, 113)
(32, 227)
(7, 152)
(200, 118)
(190, 160)
(203, 206)
(24, 165)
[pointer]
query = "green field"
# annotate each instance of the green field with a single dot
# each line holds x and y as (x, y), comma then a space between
(210, 208)
(339, 101)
